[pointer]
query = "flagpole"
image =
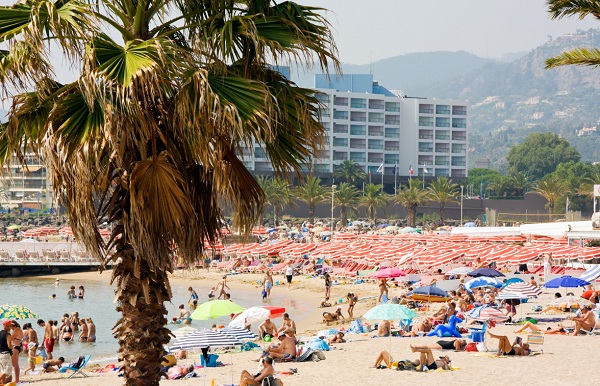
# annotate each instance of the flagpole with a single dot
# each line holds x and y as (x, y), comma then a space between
(423, 176)
(395, 181)
(382, 170)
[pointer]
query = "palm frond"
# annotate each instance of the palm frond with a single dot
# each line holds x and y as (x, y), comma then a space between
(578, 56)
(559, 9)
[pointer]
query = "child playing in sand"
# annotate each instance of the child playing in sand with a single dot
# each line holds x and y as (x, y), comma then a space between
(32, 350)
(211, 294)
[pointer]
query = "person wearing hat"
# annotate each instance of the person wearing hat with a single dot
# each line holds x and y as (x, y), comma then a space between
(31, 351)
(585, 322)
(5, 351)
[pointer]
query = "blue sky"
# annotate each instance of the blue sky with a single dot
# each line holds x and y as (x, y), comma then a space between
(370, 30)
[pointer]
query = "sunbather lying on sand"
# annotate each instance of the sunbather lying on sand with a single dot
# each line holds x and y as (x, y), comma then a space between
(426, 359)
(506, 348)
(549, 330)
(333, 316)
(454, 344)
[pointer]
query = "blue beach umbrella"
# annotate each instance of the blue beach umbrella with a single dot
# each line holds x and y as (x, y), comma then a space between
(591, 274)
(429, 293)
(489, 272)
(566, 281)
(482, 281)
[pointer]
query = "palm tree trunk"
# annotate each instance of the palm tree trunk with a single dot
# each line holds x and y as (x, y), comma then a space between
(141, 330)
(412, 216)
(311, 214)
(343, 216)
(442, 207)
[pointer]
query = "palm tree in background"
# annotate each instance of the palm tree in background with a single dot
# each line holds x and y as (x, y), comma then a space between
(346, 198)
(147, 134)
(277, 194)
(587, 187)
(552, 188)
(373, 199)
(559, 9)
(501, 186)
(349, 171)
(311, 192)
(520, 183)
(410, 197)
(443, 191)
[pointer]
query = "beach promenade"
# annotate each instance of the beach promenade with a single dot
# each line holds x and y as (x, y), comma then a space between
(566, 360)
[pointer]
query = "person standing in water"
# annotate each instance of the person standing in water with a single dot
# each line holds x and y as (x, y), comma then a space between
(221, 287)
(91, 330)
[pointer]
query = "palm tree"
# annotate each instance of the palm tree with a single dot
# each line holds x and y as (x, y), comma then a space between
(410, 198)
(520, 183)
(349, 171)
(277, 194)
(587, 187)
(147, 133)
(312, 193)
(346, 198)
(373, 199)
(559, 9)
(552, 188)
(501, 186)
(443, 191)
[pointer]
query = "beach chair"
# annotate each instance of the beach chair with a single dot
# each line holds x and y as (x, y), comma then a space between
(535, 340)
(34, 256)
(79, 370)
(4, 256)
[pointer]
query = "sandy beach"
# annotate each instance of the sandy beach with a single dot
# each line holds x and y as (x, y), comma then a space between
(566, 360)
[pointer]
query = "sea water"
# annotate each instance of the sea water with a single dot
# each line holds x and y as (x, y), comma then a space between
(98, 304)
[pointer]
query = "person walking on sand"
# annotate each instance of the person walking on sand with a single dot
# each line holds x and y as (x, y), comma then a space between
(383, 289)
(327, 285)
(31, 351)
(289, 274)
(48, 340)
(91, 330)
(221, 287)
(268, 282)
(352, 299)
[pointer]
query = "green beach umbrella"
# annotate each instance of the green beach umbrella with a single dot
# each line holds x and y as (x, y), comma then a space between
(13, 227)
(390, 311)
(216, 308)
(16, 312)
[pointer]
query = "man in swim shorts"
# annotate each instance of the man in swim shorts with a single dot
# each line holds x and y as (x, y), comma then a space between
(48, 337)
(285, 351)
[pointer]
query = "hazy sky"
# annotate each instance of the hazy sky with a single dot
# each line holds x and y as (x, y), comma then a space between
(368, 30)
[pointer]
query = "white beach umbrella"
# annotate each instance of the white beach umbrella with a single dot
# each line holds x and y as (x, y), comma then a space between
(249, 316)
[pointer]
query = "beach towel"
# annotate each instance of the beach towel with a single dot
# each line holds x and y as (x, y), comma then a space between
(357, 327)
(306, 355)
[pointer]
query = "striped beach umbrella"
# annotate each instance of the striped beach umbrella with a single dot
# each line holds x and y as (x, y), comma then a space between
(522, 290)
(484, 313)
(240, 333)
(205, 338)
(591, 274)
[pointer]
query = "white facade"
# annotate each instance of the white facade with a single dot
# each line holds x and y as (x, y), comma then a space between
(371, 128)
(27, 187)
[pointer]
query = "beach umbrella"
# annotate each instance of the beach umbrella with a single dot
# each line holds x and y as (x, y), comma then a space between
(204, 338)
(16, 312)
(511, 280)
(459, 271)
(274, 311)
(249, 316)
(482, 281)
(486, 312)
(216, 308)
(382, 226)
(408, 230)
(489, 272)
(391, 228)
(388, 272)
(429, 293)
(591, 273)
(566, 281)
(523, 290)
(327, 333)
(240, 333)
(390, 311)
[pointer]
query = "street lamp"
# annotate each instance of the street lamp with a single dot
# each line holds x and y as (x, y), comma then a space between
(332, 197)
(461, 205)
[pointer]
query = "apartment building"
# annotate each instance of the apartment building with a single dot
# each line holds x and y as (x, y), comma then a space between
(373, 126)
(28, 187)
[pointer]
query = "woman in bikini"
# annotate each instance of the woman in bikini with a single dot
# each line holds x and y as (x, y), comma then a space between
(84, 331)
(506, 348)
(17, 343)
(91, 330)
(66, 333)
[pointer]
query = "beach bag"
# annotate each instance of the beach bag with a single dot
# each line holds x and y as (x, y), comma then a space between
(357, 327)
(319, 354)
(471, 347)
(481, 347)
(271, 381)
(305, 355)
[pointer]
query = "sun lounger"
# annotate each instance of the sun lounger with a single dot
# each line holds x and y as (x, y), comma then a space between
(79, 370)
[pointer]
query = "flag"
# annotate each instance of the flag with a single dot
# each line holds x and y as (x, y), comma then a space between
(380, 168)
(410, 170)
(425, 169)
(394, 170)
